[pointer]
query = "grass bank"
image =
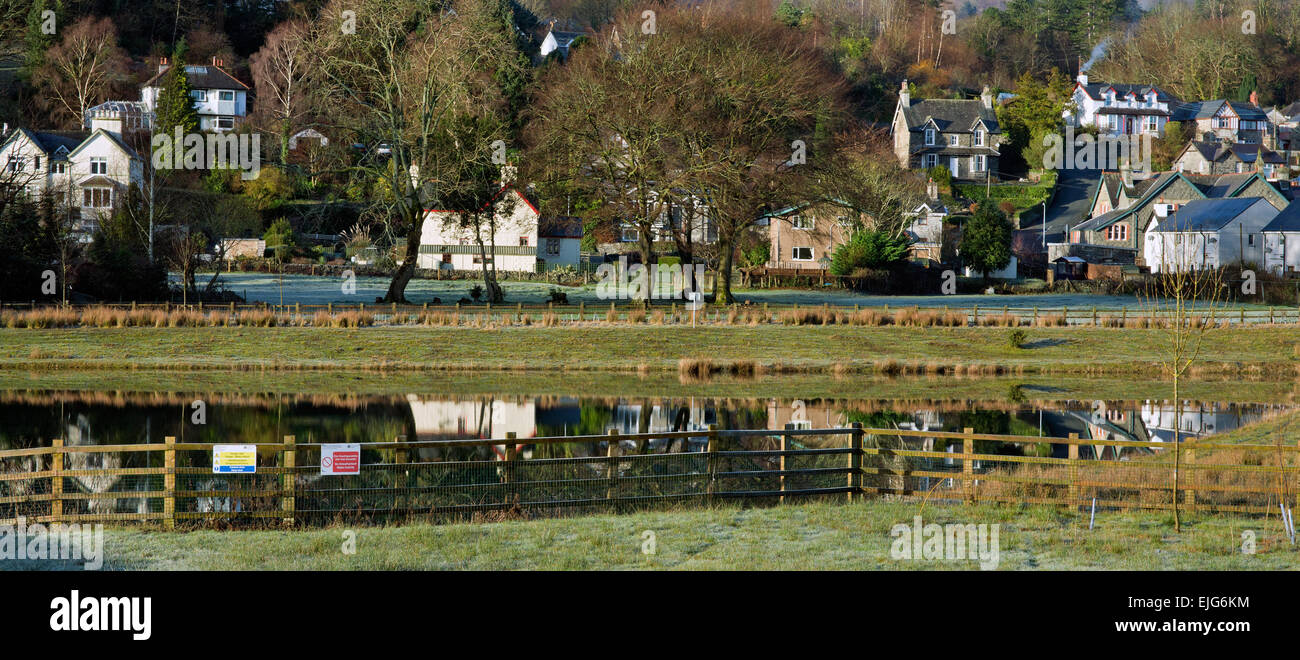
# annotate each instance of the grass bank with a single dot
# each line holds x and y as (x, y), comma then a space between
(821, 536)
(747, 350)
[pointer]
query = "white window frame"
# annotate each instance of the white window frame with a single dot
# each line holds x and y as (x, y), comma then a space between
(979, 138)
(225, 95)
(952, 140)
(200, 95)
(802, 222)
(794, 253)
(930, 160)
(929, 137)
(99, 165)
(981, 162)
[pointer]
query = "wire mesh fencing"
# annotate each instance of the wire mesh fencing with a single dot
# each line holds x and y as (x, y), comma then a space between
(176, 484)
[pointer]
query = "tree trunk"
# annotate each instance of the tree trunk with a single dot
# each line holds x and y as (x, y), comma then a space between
(723, 285)
(1178, 418)
(397, 288)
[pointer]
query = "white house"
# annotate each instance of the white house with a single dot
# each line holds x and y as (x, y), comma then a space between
(220, 100)
(925, 232)
(1117, 109)
(1282, 242)
(91, 172)
(524, 241)
(1207, 233)
(557, 41)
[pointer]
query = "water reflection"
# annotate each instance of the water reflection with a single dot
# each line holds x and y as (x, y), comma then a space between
(33, 419)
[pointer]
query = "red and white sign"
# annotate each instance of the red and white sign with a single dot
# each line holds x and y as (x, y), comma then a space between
(340, 459)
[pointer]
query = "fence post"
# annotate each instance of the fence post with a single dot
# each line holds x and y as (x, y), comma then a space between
(1191, 482)
(1073, 453)
(399, 474)
(56, 482)
(967, 464)
(169, 482)
(712, 463)
(785, 446)
(287, 503)
(855, 461)
(611, 451)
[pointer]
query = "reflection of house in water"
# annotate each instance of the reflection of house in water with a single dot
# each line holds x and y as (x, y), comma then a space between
(662, 417)
(1196, 421)
(437, 419)
(804, 415)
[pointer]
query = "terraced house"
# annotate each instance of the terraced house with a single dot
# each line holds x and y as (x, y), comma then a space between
(1122, 210)
(960, 134)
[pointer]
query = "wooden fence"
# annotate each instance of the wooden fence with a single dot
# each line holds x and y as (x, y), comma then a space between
(599, 311)
(173, 484)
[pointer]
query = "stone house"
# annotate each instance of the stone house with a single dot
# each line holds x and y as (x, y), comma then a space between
(960, 134)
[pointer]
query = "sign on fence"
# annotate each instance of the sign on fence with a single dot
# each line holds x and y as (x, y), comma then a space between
(340, 459)
(231, 459)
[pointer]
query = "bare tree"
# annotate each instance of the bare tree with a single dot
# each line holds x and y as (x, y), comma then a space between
(1183, 299)
(414, 93)
(280, 77)
(81, 69)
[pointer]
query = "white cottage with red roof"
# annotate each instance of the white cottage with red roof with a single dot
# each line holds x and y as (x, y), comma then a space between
(524, 240)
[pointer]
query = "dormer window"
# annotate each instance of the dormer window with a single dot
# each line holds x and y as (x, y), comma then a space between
(929, 137)
(979, 137)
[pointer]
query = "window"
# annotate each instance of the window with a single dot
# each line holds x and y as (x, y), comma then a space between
(979, 138)
(523, 241)
(36, 160)
(629, 235)
(801, 254)
(226, 95)
(479, 259)
(15, 164)
(952, 140)
(60, 168)
(981, 162)
(1153, 124)
(97, 198)
(1117, 232)
(200, 95)
(99, 166)
(929, 137)
(801, 222)
(929, 160)
(446, 257)
(1250, 240)
(225, 122)
(553, 247)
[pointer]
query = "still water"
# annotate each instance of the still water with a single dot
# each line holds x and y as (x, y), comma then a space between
(30, 419)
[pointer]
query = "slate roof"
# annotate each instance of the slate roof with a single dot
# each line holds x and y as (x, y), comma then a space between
(560, 226)
(1122, 90)
(950, 115)
(1246, 153)
(1287, 220)
(1208, 109)
(1207, 214)
(202, 76)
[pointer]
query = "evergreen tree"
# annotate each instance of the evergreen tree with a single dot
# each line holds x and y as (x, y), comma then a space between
(986, 240)
(37, 41)
(175, 106)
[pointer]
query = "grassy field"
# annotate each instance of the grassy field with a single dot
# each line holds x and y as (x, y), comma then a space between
(1268, 351)
(820, 536)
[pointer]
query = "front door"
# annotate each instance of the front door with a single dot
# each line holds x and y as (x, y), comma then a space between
(953, 166)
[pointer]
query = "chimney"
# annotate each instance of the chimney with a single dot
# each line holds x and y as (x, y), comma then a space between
(108, 120)
(904, 97)
(1082, 78)
(1254, 97)
(1126, 174)
(162, 64)
(987, 97)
